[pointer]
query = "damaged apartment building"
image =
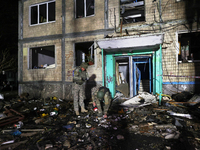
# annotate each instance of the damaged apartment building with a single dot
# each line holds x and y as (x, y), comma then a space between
(131, 46)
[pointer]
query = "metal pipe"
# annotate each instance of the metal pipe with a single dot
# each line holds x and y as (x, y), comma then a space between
(160, 14)
(106, 14)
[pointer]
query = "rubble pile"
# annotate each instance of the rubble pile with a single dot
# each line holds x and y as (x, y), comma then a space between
(137, 123)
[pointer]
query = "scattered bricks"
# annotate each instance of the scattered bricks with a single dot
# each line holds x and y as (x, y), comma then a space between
(133, 128)
(165, 126)
(145, 127)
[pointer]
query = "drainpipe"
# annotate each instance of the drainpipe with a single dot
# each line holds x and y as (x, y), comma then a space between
(106, 14)
(20, 44)
(160, 14)
(106, 27)
(63, 47)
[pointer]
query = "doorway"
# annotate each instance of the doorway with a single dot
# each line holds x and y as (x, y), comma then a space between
(133, 74)
(142, 74)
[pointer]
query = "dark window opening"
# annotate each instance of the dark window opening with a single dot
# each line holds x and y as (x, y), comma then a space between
(42, 57)
(51, 12)
(189, 47)
(34, 14)
(84, 52)
(84, 8)
(42, 13)
(132, 11)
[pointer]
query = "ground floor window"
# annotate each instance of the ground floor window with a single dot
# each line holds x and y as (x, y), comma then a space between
(84, 52)
(189, 47)
(42, 57)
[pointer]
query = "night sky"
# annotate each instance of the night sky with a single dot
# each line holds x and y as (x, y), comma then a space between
(9, 34)
(9, 25)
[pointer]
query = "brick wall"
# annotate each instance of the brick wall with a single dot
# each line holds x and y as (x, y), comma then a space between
(90, 23)
(172, 15)
(53, 74)
(43, 29)
(113, 13)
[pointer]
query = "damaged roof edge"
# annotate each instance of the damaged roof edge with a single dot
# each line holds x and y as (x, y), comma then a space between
(135, 42)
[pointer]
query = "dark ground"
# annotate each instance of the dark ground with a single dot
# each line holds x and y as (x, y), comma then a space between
(137, 129)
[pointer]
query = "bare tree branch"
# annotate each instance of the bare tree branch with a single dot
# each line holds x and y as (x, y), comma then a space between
(7, 61)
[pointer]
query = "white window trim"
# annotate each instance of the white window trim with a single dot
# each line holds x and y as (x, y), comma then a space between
(84, 10)
(38, 13)
(177, 47)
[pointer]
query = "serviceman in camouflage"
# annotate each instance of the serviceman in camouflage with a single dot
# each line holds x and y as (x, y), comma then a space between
(102, 97)
(80, 76)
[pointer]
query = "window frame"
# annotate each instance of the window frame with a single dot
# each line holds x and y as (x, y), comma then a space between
(91, 51)
(30, 57)
(85, 13)
(178, 47)
(38, 16)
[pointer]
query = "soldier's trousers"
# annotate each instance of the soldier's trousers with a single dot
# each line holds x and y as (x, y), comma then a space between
(105, 105)
(79, 96)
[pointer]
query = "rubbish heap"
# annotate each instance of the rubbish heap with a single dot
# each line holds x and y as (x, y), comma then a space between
(136, 123)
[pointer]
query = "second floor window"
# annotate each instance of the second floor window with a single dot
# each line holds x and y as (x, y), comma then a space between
(84, 8)
(132, 11)
(42, 13)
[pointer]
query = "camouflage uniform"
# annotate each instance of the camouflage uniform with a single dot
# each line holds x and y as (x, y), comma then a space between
(79, 79)
(105, 102)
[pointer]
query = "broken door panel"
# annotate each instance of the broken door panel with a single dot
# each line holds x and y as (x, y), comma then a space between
(122, 75)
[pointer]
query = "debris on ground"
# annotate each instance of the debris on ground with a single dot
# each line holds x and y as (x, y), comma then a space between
(136, 123)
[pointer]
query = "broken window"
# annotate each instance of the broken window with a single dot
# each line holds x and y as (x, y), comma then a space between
(84, 8)
(84, 52)
(42, 57)
(189, 47)
(132, 11)
(42, 13)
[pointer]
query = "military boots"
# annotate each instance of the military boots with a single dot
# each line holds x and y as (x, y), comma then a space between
(83, 110)
(77, 113)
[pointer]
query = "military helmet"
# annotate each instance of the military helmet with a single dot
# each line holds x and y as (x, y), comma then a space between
(100, 94)
(84, 65)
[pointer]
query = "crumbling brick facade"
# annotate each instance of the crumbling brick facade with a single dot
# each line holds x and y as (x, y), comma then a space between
(167, 17)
